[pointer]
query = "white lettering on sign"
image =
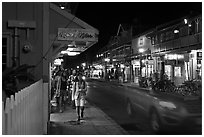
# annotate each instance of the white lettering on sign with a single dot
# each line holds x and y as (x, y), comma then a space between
(77, 34)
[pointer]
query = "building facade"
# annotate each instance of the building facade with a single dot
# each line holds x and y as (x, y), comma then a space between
(115, 57)
(173, 49)
(33, 34)
(177, 50)
(142, 61)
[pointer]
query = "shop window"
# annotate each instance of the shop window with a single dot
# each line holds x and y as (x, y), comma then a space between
(177, 71)
(162, 37)
(153, 40)
(169, 35)
(199, 25)
(168, 71)
(183, 31)
(192, 28)
(156, 39)
(141, 41)
(4, 52)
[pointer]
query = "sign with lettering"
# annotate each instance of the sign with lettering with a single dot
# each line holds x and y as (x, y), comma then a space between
(199, 55)
(75, 34)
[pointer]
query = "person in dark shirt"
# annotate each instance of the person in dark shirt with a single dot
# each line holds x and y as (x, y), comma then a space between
(62, 90)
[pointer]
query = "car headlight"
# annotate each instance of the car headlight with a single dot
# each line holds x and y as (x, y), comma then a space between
(168, 105)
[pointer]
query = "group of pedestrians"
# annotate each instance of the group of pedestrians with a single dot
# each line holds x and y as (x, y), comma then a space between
(71, 89)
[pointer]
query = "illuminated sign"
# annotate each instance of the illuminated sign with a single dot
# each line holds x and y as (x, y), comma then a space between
(141, 41)
(174, 56)
(74, 34)
(199, 55)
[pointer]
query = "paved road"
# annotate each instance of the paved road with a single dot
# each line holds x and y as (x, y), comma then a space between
(111, 99)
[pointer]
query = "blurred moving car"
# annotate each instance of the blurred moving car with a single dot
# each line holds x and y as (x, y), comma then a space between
(166, 111)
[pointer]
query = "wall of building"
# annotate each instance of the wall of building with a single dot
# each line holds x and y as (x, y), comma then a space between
(29, 11)
(141, 42)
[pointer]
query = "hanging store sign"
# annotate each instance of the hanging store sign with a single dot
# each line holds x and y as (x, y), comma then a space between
(199, 55)
(74, 34)
(174, 56)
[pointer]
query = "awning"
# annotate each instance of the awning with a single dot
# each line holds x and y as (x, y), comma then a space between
(69, 32)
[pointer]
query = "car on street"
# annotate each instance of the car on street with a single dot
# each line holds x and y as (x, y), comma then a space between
(166, 111)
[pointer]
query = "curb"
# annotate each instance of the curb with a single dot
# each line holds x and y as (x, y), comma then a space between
(129, 86)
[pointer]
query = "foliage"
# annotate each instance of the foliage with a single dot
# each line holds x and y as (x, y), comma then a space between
(12, 78)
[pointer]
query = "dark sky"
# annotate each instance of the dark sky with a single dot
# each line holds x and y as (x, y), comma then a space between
(106, 16)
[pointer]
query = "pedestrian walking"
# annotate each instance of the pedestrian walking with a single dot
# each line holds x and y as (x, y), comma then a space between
(72, 79)
(80, 90)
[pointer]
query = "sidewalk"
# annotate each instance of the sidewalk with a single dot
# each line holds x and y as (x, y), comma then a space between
(95, 122)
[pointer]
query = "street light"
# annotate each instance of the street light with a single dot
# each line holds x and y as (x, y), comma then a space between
(185, 21)
(62, 7)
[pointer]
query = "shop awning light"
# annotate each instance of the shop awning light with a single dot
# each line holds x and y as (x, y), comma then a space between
(141, 50)
(83, 64)
(70, 53)
(70, 49)
(107, 59)
(73, 53)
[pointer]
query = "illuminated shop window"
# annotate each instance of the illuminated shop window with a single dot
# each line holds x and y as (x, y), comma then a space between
(168, 70)
(4, 53)
(141, 41)
(177, 71)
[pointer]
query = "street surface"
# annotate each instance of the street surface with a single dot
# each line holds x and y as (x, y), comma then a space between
(111, 98)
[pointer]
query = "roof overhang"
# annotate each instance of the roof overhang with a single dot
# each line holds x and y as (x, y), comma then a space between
(80, 39)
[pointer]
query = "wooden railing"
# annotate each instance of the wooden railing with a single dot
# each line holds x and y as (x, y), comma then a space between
(22, 114)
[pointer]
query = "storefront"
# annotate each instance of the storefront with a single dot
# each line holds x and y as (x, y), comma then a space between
(136, 70)
(147, 67)
(97, 71)
(180, 67)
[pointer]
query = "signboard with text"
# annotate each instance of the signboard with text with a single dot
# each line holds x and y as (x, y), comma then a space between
(75, 34)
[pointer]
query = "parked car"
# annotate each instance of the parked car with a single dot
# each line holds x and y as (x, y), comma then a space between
(166, 111)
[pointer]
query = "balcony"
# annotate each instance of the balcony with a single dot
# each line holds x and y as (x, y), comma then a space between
(182, 43)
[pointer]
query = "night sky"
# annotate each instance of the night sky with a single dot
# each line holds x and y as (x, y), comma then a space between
(106, 16)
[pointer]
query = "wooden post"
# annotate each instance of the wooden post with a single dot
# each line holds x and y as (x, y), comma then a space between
(7, 116)
(12, 115)
(46, 59)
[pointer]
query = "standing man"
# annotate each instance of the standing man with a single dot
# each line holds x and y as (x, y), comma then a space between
(80, 90)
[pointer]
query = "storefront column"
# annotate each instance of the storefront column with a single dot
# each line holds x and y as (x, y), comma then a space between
(162, 67)
(46, 60)
(131, 73)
